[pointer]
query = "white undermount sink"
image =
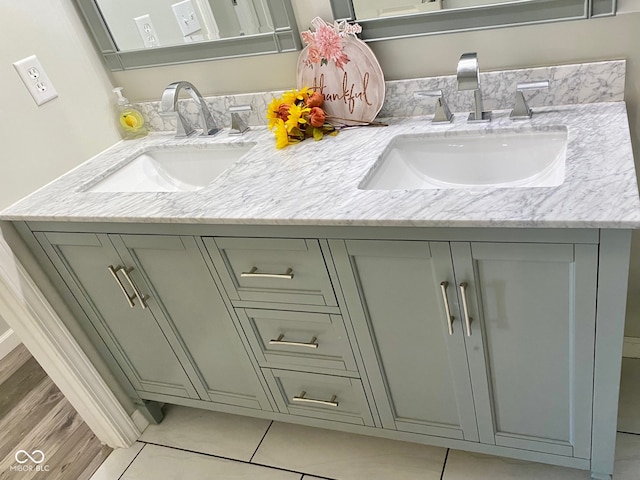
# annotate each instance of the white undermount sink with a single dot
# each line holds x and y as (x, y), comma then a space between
(489, 158)
(181, 169)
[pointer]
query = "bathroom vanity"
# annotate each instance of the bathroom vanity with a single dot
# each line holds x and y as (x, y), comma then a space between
(293, 288)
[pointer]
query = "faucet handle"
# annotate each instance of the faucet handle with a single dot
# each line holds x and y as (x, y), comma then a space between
(521, 109)
(239, 124)
(442, 114)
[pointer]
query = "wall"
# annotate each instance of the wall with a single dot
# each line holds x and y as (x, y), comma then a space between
(41, 143)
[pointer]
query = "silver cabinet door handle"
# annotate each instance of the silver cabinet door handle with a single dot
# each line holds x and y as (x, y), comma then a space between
(280, 341)
(136, 292)
(253, 273)
(447, 312)
(114, 271)
(303, 399)
(465, 308)
(141, 297)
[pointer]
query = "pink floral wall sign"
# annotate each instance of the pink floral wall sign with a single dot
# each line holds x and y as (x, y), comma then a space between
(344, 69)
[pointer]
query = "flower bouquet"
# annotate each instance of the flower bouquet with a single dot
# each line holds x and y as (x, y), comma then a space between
(297, 115)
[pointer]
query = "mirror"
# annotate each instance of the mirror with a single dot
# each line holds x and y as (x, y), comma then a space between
(387, 19)
(146, 33)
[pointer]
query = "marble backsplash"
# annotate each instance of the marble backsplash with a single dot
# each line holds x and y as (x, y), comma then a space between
(569, 84)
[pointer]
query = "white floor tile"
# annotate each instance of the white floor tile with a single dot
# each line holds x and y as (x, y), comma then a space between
(629, 404)
(475, 466)
(117, 462)
(627, 466)
(156, 463)
(346, 456)
(215, 433)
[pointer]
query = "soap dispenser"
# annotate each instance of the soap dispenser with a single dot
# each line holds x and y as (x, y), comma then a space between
(130, 120)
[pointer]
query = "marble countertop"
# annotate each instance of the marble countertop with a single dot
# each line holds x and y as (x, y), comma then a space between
(316, 183)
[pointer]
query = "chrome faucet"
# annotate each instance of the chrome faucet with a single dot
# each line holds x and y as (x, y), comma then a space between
(239, 124)
(469, 79)
(169, 107)
(521, 109)
(442, 113)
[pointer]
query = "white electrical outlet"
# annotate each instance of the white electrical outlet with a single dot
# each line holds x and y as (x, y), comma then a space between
(186, 17)
(35, 79)
(147, 31)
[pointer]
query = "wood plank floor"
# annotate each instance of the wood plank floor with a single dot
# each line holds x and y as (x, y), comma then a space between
(34, 415)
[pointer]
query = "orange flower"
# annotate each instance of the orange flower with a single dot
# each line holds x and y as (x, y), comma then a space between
(283, 111)
(317, 117)
(315, 100)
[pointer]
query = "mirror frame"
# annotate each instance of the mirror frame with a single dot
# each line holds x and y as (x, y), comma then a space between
(284, 38)
(518, 12)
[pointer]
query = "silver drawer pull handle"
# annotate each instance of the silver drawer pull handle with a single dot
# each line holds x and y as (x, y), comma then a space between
(136, 292)
(253, 273)
(447, 312)
(465, 308)
(143, 298)
(114, 272)
(303, 399)
(279, 341)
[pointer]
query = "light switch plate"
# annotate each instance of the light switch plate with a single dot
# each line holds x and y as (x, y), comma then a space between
(147, 31)
(186, 17)
(36, 79)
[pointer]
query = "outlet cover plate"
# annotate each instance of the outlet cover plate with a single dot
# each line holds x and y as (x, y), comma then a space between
(147, 31)
(36, 79)
(186, 17)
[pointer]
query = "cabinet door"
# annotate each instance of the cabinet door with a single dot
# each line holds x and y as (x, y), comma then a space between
(531, 345)
(395, 300)
(131, 335)
(189, 305)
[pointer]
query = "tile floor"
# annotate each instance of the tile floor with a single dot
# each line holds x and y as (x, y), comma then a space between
(192, 443)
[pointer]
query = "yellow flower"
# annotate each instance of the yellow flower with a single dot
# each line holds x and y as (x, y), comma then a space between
(296, 116)
(282, 138)
(291, 96)
(272, 112)
(303, 94)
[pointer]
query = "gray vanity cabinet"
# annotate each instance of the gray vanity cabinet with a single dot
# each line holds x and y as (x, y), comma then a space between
(188, 300)
(132, 335)
(394, 296)
(532, 341)
(519, 375)
(499, 341)
(184, 341)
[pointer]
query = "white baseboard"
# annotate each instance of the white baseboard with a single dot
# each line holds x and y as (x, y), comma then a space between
(631, 347)
(139, 420)
(8, 341)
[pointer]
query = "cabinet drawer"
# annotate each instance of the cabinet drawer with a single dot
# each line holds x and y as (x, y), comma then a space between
(278, 270)
(327, 397)
(281, 339)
